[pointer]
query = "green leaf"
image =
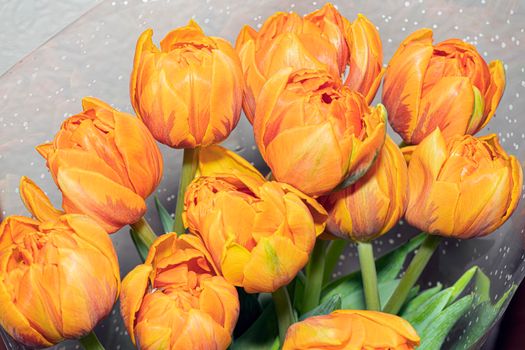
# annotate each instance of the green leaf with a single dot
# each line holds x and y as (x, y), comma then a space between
(462, 283)
(331, 304)
(415, 303)
(434, 334)
(484, 313)
(262, 333)
(142, 249)
(482, 288)
(429, 310)
(423, 312)
(165, 218)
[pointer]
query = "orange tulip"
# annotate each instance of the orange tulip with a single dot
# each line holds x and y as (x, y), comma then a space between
(258, 233)
(322, 40)
(106, 163)
(374, 204)
(447, 85)
(175, 300)
(465, 188)
(314, 133)
(352, 330)
(59, 274)
(188, 92)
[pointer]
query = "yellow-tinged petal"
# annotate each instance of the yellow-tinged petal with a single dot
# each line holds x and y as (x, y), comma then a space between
(234, 262)
(216, 160)
(36, 201)
(273, 263)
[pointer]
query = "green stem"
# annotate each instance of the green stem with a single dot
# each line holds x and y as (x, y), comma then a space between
(333, 252)
(314, 277)
(143, 233)
(91, 342)
(189, 167)
(369, 275)
(414, 270)
(285, 312)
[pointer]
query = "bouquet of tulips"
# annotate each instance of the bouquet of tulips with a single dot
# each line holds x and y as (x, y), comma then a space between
(246, 260)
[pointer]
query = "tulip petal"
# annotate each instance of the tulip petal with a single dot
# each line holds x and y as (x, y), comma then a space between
(226, 93)
(140, 153)
(144, 43)
(267, 99)
(477, 117)
(447, 105)
(366, 59)
(11, 319)
(440, 212)
(93, 234)
(494, 91)
(14, 228)
(301, 227)
(366, 151)
(402, 87)
(483, 202)
(273, 263)
(134, 286)
(234, 261)
(220, 300)
(216, 160)
(423, 169)
(36, 201)
(254, 79)
(85, 289)
(398, 324)
(109, 203)
(299, 142)
(81, 159)
(246, 34)
(318, 212)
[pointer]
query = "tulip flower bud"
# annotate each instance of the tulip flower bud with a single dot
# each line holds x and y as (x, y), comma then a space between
(314, 133)
(447, 86)
(465, 188)
(352, 329)
(175, 300)
(58, 278)
(322, 40)
(375, 203)
(188, 92)
(106, 163)
(258, 233)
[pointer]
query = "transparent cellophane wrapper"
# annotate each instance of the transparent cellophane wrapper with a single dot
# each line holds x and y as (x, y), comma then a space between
(94, 55)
